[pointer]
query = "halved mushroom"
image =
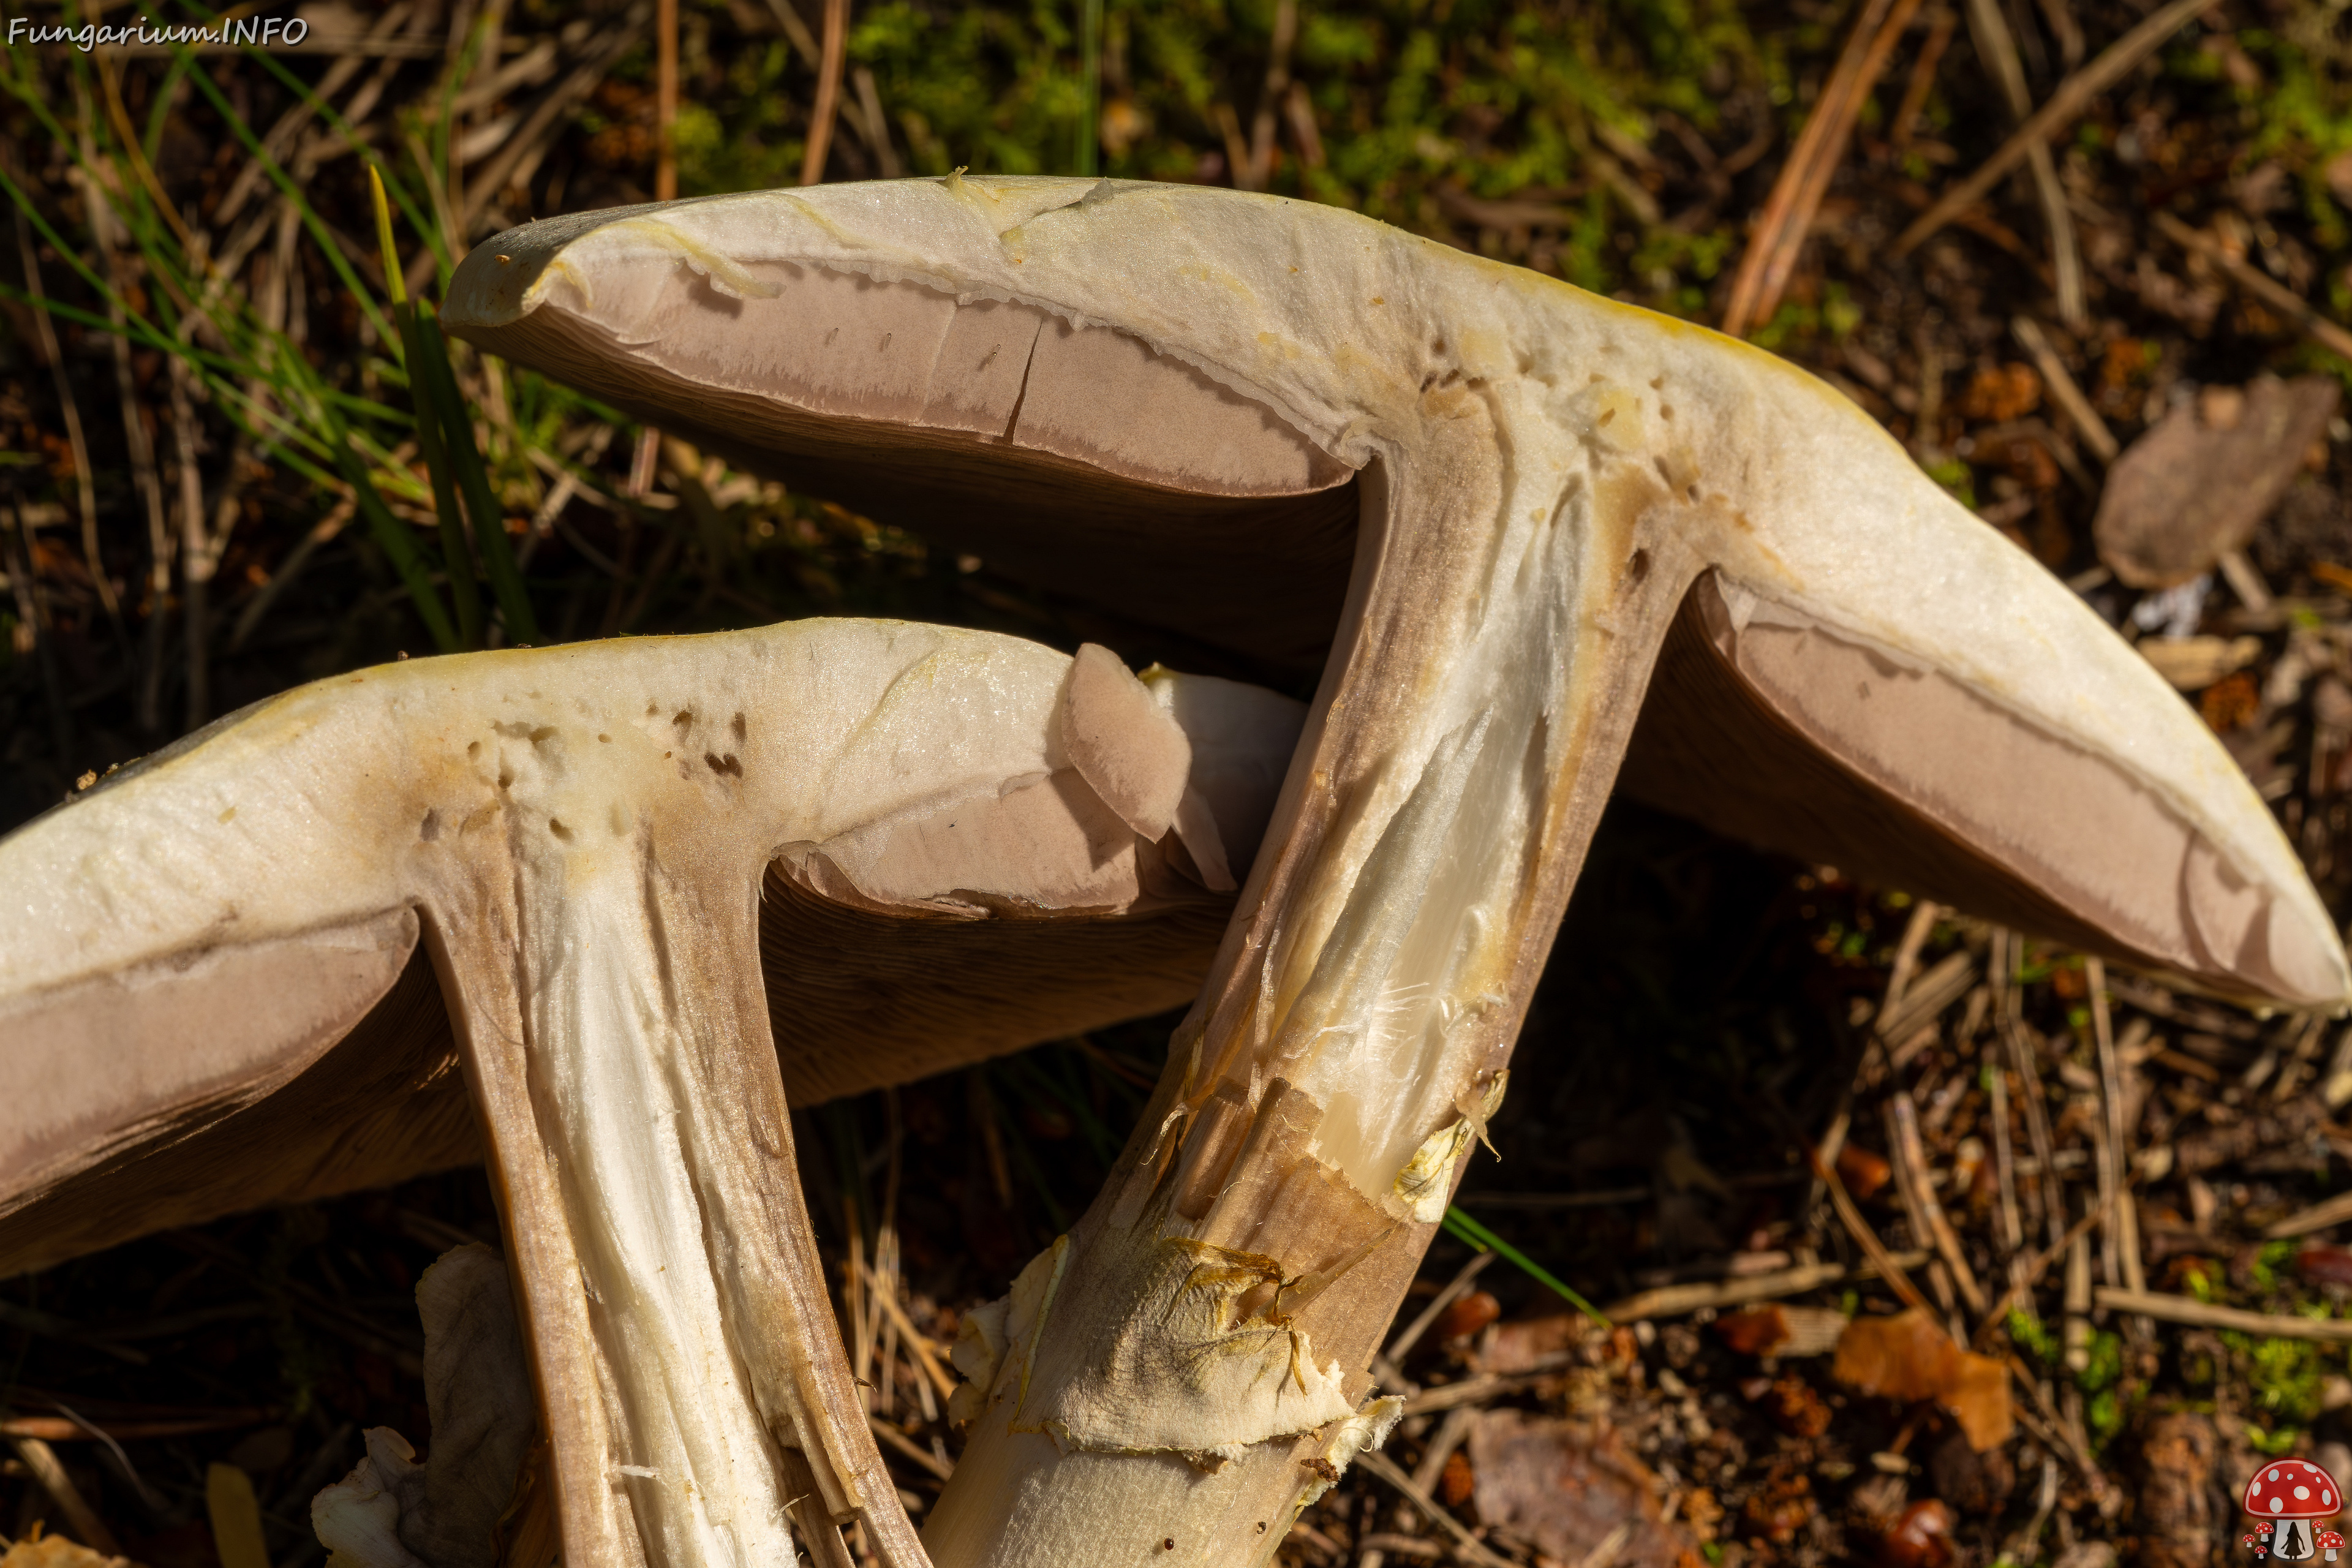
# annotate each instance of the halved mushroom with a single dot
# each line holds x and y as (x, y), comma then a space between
(211, 990)
(1177, 401)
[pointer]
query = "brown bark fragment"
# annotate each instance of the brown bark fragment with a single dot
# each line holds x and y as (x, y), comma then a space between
(2176, 1515)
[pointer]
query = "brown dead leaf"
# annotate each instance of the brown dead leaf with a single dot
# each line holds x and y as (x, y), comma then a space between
(2229, 704)
(1703, 1514)
(1757, 1331)
(478, 1389)
(1909, 1358)
(1862, 1171)
(1568, 1487)
(2201, 481)
(1459, 1481)
(2325, 1266)
(1466, 1316)
(1530, 1344)
(1776, 1330)
(1999, 393)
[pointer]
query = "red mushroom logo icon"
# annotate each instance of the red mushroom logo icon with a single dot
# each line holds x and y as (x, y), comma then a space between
(2290, 1494)
(2331, 1543)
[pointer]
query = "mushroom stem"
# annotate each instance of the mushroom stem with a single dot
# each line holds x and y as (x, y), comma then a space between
(645, 1156)
(1323, 1094)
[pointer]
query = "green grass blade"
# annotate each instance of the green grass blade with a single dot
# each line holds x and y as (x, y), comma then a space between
(400, 546)
(1463, 1228)
(464, 596)
(489, 518)
(161, 108)
(394, 284)
(463, 592)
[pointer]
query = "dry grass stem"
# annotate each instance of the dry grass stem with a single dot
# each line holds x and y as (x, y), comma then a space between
(47, 1468)
(2255, 281)
(2167, 1307)
(1682, 1300)
(1788, 217)
(2065, 105)
(1911, 1173)
(1467, 1546)
(828, 90)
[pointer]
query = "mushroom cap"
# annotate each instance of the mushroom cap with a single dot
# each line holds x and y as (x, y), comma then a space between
(2293, 1488)
(217, 980)
(1175, 402)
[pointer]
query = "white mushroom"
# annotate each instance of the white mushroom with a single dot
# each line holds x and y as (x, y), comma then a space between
(207, 990)
(1183, 402)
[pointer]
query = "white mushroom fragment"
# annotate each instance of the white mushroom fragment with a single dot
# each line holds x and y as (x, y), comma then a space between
(207, 990)
(1182, 403)
(392, 1513)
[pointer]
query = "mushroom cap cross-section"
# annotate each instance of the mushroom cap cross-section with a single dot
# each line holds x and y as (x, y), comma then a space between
(1530, 535)
(1198, 406)
(209, 991)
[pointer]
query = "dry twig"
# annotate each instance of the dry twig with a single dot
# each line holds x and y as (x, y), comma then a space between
(2063, 390)
(2318, 1216)
(665, 101)
(2031, 1275)
(1402, 1346)
(1680, 1301)
(1911, 1175)
(1998, 48)
(2006, 1009)
(1788, 216)
(1277, 84)
(828, 91)
(898, 1442)
(70, 415)
(2255, 281)
(2050, 1430)
(2067, 104)
(1865, 1237)
(1468, 1547)
(2168, 1308)
(1940, 24)
(42, 1461)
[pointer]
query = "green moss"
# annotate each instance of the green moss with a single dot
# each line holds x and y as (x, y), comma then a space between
(1500, 96)
(2273, 1256)
(1957, 478)
(2030, 1334)
(2105, 1367)
(1840, 313)
(2276, 1445)
(2285, 1377)
(2104, 1415)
